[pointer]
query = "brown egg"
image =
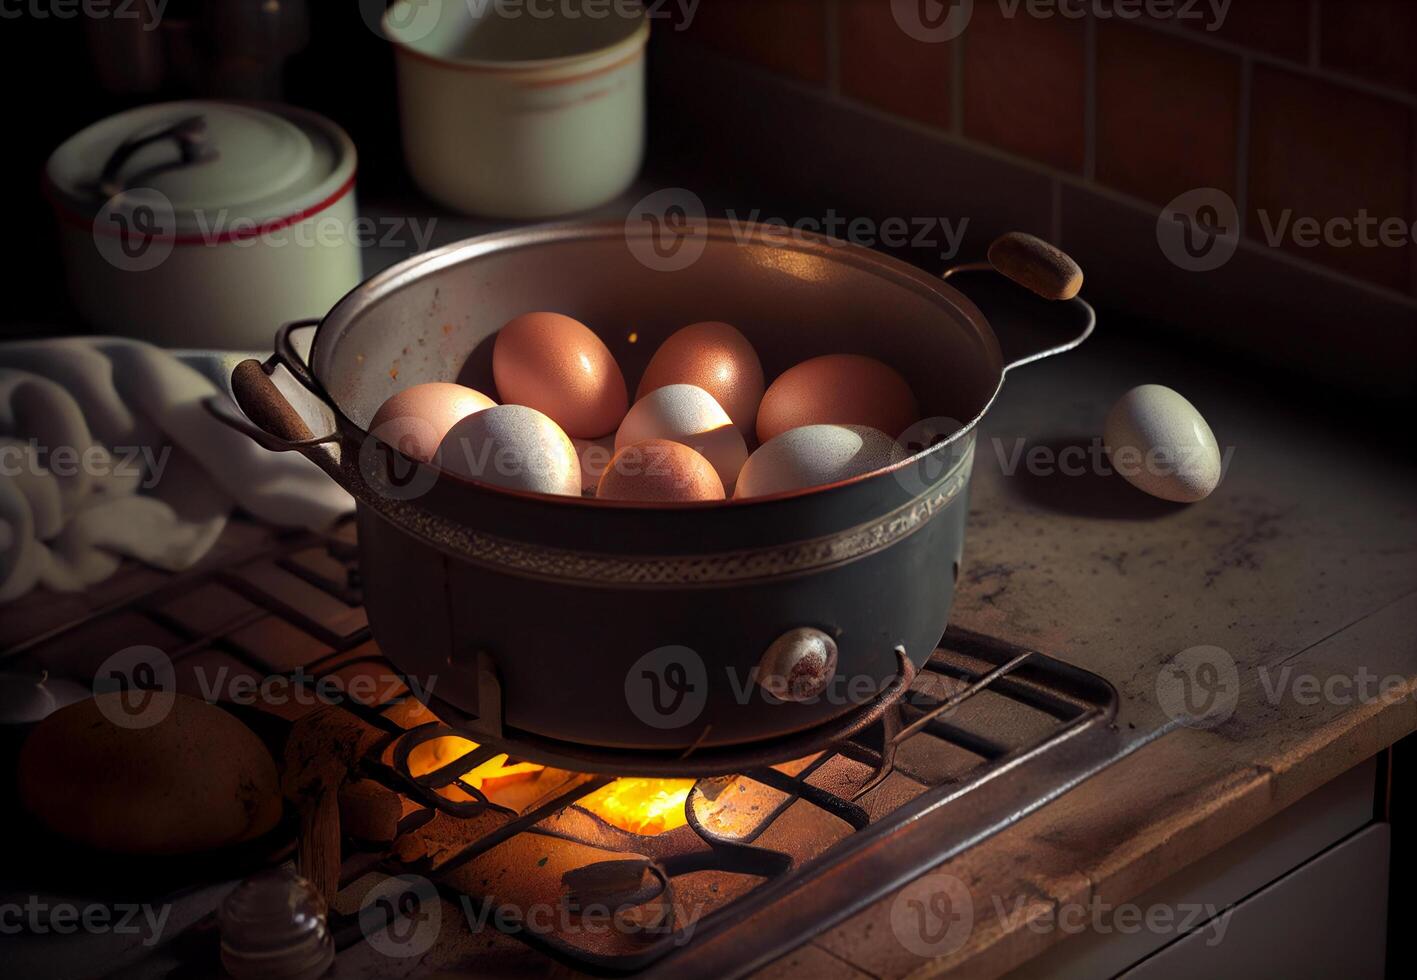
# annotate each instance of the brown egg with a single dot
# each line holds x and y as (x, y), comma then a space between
(840, 389)
(657, 470)
(717, 358)
(557, 366)
(416, 419)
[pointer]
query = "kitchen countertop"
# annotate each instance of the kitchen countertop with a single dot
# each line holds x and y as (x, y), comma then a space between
(1306, 557)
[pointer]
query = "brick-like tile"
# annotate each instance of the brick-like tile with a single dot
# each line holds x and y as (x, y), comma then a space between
(239, 541)
(278, 645)
(318, 562)
(42, 611)
(839, 157)
(883, 65)
(208, 610)
(304, 599)
(378, 682)
(80, 652)
(1277, 27)
(1372, 39)
(215, 676)
(1025, 85)
(1259, 305)
(369, 682)
(1156, 134)
(1322, 151)
(786, 36)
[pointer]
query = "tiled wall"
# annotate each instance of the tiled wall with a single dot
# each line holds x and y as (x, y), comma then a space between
(1299, 107)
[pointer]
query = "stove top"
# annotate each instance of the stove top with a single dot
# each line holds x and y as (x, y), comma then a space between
(452, 849)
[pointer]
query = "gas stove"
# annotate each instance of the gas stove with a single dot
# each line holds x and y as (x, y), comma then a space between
(452, 848)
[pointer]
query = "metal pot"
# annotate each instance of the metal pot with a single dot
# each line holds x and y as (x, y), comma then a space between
(687, 638)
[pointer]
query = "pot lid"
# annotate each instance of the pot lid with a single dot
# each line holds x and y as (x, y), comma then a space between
(214, 162)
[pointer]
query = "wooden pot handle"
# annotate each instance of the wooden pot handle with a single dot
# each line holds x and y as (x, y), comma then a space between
(264, 404)
(1037, 266)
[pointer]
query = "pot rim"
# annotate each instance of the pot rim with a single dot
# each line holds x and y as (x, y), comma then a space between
(400, 275)
(329, 191)
(566, 68)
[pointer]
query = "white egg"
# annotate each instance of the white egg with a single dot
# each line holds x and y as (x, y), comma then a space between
(1161, 445)
(813, 455)
(690, 416)
(515, 447)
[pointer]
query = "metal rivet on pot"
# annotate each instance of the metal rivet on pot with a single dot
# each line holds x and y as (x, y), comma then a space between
(798, 666)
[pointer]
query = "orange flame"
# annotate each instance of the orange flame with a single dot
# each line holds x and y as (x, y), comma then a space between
(490, 777)
(640, 806)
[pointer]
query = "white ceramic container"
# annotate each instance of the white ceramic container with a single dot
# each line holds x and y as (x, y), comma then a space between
(516, 110)
(206, 224)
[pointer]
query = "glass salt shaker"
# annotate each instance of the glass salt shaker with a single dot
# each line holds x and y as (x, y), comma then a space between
(273, 927)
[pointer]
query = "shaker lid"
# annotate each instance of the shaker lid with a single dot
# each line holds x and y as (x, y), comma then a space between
(217, 163)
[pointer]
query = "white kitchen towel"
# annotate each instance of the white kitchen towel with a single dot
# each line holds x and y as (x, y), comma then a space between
(107, 452)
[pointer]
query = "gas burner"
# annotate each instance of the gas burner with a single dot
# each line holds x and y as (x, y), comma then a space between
(983, 733)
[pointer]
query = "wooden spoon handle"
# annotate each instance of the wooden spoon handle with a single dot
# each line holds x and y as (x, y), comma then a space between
(318, 858)
(1037, 266)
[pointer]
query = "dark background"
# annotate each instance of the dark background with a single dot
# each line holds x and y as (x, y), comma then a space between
(345, 73)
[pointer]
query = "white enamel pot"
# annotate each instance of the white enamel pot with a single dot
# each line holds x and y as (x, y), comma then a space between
(196, 224)
(520, 110)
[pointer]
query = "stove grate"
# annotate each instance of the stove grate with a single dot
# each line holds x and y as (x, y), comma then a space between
(986, 733)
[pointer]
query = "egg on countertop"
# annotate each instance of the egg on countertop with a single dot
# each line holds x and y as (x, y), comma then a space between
(659, 471)
(559, 367)
(716, 357)
(842, 389)
(1161, 445)
(814, 455)
(689, 415)
(512, 446)
(415, 420)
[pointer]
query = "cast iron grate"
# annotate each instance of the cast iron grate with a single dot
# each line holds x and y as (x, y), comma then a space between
(763, 860)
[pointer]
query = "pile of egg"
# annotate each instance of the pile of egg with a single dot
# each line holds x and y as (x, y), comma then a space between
(565, 424)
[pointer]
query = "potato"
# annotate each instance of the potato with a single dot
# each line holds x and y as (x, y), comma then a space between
(198, 779)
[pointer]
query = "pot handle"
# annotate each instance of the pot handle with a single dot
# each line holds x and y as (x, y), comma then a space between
(1027, 324)
(270, 420)
(291, 359)
(1036, 265)
(263, 404)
